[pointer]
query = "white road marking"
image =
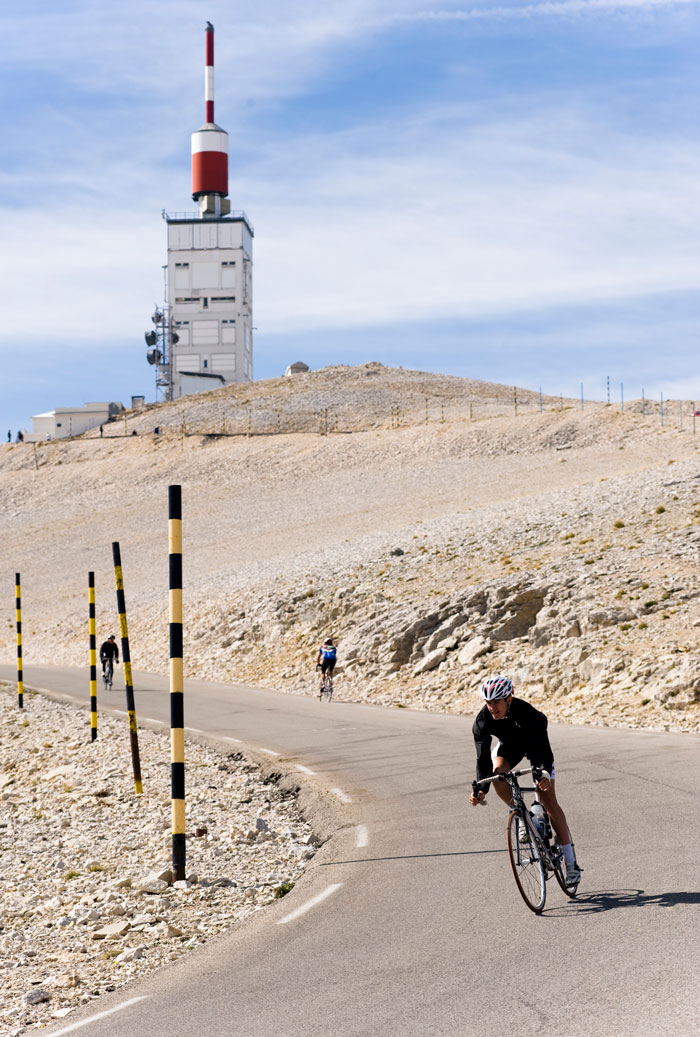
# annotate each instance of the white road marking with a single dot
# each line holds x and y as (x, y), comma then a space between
(362, 836)
(100, 1015)
(227, 739)
(270, 752)
(194, 730)
(152, 720)
(310, 903)
(342, 796)
(304, 770)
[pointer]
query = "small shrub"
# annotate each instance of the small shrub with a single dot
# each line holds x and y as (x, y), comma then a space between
(589, 561)
(282, 890)
(71, 875)
(643, 625)
(650, 604)
(644, 586)
(660, 510)
(618, 524)
(400, 705)
(95, 867)
(666, 595)
(645, 702)
(625, 626)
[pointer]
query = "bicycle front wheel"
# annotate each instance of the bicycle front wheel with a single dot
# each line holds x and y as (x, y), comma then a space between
(526, 861)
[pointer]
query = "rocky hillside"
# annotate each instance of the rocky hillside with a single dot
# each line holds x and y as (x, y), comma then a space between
(559, 546)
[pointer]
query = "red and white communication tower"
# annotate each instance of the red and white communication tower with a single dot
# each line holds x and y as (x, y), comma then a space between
(203, 332)
(210, 147)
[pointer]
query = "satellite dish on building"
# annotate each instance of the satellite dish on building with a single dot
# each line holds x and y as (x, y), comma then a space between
(153, 356)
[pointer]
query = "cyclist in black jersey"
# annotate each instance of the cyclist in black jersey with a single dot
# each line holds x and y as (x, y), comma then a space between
(520, 730)
(109, 650)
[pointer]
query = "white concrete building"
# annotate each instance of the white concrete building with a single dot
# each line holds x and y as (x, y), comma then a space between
(71, 421)
(210, 298)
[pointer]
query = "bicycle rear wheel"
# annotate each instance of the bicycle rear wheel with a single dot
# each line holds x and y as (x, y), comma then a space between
(560, 872)
(526, 862)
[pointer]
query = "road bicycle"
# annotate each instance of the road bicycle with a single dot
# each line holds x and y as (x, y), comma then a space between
(107, 673)
(326, 687)
(535, 853)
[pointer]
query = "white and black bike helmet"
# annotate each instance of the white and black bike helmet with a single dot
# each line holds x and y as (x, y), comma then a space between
(498, 687)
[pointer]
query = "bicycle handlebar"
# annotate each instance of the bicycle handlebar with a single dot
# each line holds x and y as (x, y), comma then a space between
(537, 772)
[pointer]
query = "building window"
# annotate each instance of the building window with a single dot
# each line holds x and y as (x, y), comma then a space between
(229, 321)
(181, 323)
(186, 298)
(205, 304)
(223, 298)
(205, 364)
(183, 265)
(232, 263)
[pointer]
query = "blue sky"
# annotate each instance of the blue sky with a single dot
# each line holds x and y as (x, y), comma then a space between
(508, 191)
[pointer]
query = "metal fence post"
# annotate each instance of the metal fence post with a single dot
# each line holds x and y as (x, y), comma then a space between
(661, 408)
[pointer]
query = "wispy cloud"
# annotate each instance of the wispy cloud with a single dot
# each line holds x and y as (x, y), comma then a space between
(520, 12)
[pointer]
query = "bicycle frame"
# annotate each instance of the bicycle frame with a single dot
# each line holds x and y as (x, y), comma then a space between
(531, 850)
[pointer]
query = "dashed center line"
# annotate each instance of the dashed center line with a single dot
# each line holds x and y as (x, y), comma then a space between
(304, 770)
(342, 796)
(99, 1015)
(361, 836)
(310, 903)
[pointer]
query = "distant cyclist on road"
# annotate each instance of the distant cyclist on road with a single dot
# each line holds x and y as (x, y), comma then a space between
(326, 658)
(520, 730)
(109, 650)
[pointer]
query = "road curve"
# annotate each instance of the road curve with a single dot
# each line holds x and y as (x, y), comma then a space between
(408, 922)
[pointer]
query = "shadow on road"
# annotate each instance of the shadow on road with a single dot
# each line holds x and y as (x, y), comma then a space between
(609, 900)
(409, 857)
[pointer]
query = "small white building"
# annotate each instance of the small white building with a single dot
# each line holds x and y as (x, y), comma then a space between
(71, 421)
(298, 367)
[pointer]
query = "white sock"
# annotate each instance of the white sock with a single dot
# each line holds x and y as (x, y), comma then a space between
(568, 852)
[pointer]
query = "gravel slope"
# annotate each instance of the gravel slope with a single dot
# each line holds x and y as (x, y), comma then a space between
(560, 546)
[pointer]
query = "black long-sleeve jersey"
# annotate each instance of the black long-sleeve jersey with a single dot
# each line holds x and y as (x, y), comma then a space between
(109, 650)
(523, 729)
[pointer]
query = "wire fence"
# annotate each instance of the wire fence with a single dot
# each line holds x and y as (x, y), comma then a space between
(232, 417)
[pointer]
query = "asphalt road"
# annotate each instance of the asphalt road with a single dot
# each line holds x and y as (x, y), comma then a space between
(418, 928)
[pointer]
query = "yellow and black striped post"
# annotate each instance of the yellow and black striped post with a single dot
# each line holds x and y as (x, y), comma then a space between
(177, 705)
(126, 662)
(18, 611)
(93, 657)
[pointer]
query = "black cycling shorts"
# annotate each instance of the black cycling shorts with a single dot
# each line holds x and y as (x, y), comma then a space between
(327, 664)
(513, 754)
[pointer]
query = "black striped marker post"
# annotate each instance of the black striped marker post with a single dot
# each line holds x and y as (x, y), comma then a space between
(18, 611)
(177, 705)
(93, 658)
(126, 662)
